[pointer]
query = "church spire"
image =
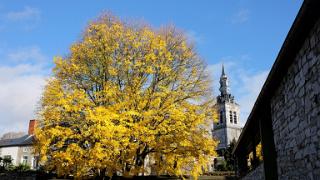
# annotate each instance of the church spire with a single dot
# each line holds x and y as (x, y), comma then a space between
(223, 74)
(224, 86)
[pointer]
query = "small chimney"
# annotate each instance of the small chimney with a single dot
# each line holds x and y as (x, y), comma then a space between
(32, 126)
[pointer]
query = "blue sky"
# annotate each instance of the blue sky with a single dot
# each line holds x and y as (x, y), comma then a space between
(245, 35)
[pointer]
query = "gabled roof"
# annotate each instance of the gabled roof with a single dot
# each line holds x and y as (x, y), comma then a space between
(26, 140)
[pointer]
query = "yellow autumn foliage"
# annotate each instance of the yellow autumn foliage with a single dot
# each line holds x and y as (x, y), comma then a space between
(259, 151)
(124, 94)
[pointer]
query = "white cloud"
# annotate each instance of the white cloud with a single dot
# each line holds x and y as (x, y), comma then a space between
(241, 16)
(249, 91)
(28, 13)
(21, 84)
(245, 84)
(8, 73)
(25, 19)
(26, 54)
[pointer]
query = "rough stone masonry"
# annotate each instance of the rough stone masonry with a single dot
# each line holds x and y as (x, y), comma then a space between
(296, 114)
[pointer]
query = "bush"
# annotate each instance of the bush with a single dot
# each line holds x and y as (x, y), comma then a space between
(21, 168)
(5, 164)
(221, 166)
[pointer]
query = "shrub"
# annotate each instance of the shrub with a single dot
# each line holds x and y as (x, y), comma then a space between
(5, 164)
(21, 168)
(221, 165)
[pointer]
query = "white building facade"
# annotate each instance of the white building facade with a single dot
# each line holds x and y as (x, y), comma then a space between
(20, 149)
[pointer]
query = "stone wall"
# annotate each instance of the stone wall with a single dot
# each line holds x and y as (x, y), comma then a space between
(220, 135)
(256, 174)
(227, 131)
(296, 114)
(233, 133)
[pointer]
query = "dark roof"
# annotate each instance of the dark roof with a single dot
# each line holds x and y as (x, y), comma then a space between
(25, 140)
(308, 15)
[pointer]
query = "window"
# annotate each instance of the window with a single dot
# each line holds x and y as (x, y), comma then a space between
(221, 117)
(35, 162)
(24, 159)
(25, 149)
(231, 120)
(235, 117)
(7, 157)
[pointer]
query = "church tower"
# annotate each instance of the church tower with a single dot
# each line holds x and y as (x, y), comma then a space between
(227, 128)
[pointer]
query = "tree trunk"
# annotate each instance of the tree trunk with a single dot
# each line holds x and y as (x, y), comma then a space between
(101, 174)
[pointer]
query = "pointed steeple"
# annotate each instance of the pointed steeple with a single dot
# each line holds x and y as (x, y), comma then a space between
(223, 74)
(224, 87)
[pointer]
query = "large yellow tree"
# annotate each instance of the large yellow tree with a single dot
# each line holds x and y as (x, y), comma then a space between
(126, 98)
